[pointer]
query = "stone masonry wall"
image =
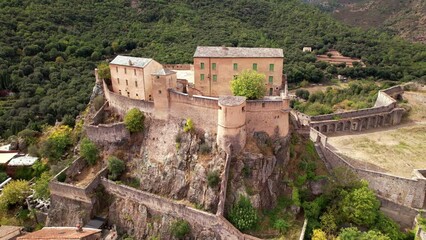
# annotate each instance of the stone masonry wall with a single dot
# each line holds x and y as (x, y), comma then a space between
(107, 133)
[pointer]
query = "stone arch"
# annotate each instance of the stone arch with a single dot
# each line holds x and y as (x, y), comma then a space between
(340, 127)
(317, 128)
(324, 128)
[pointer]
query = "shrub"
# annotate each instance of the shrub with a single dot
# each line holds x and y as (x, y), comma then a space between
(282, 225)
(302, 93)
(180, 228)
(385, 225)
(205, 148)
(295, 197)
(115, 167)
(134, 120)
(61, 177)
(57, 143)
(68, 120)
(3, 177)
(38, 168)
(103, 71)
(98, 102)
(213, 179)
(249, 84)
(29, 136)
(319, 235)
(24, 172)
(189, 125)
(41, 187)
(89, 151)
(243, 215)
(15, 192)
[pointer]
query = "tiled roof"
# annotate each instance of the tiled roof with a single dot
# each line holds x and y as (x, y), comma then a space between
(231, 100)
(53, 233)
(131, 61)
(22, 161)
(238, 52)
(163, 72)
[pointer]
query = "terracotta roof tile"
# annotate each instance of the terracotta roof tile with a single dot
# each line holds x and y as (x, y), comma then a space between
(238, 52)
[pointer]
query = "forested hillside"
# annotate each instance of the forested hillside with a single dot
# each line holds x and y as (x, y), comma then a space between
(49, 48)
(405, 18)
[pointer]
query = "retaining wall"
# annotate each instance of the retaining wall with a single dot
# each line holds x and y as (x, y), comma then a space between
(107, 133)
(223, 186)
(403, 191)
(268, 116)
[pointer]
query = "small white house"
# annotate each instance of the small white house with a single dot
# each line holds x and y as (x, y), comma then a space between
(307, 49)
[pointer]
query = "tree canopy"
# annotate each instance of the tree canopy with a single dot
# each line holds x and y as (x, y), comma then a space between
(250, 84)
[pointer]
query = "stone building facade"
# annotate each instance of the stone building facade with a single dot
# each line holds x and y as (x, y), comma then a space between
(216, 67)
(131, 76)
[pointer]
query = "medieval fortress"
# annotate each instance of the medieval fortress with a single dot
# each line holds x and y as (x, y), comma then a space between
(201, 92)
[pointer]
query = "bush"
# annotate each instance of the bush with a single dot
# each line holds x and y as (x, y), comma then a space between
(319, 235)
(243, 215)
(189, 125)
(41, 187)
(15, 192)
(302, 93)
(103, 71)
(115, 167)
(295, 197)
(68, 120)
(39, 168)
(57, 143)
(98, 102)
(61, 177)
(205, 148)
(282, 225)
(3, 177)
(24, 172)
(249, 84)
(134, 120)
(180, 229)
(213, 179)
(89, 151)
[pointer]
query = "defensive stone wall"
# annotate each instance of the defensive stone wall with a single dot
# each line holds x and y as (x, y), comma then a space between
(99, 115)
(402, 191)
(122, 104)
(270, 116)
(107, 133)
(352, 114)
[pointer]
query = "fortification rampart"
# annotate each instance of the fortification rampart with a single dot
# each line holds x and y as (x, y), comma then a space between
(107, 133)
(402, 191)
(269, 116)
(122, 104)
(384, 113)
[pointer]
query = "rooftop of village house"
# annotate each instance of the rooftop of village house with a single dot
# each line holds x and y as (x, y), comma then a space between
(238, 52)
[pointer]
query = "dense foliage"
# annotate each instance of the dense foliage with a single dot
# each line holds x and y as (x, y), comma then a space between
(13, 193)
(115, 167)
(249, 84)
(56, 143)
(180, 229)
(89, 151)
(134, 120)
(49, 49)
(243, 215)
(41, 186)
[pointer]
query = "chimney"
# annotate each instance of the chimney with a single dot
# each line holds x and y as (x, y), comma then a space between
(224, 47)
(130, 62)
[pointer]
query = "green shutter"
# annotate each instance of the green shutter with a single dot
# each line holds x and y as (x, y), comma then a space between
(202, 66)
(202, 76)
(271, 67)
(215, 78)
(213, 66)
(271, 79)
(235, 66)
(255, 66)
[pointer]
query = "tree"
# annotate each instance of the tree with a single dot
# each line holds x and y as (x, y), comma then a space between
(249, 84)
(115, 167)
(134, 120)
(319, 235)
(15, 192)
(57, 143)
(180, 228)
(302, 93)
(103, 71)
(41, 187)
(89, 151)
(360, 206)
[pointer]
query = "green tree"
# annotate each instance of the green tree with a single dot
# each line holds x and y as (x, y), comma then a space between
(302, 93)
(318, 234)
(243, 215)
(103, 71)
(360, 206)
(41, 187)
(180, 229)
(15, 192)
(116, 167)
(57, 143)
(249, 84)
(134, 120)
(89, 151)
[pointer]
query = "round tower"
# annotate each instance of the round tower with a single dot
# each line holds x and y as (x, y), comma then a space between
(231, 126)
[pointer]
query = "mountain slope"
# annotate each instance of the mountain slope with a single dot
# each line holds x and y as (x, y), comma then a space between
(406, 18)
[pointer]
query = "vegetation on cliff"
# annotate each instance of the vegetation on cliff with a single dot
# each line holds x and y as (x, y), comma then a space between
(48, 50)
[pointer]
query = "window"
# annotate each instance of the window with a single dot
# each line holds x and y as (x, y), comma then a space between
(127, 83)
(125, 70)
(243, 109)
(137, 95)
(215, 78)
(202, 77)
(116, 69)
(202, 66)
(255, 66)
(213, 66)
(270, 91)
(119, 91)
(271, 79)
(271, 67)
(235, 66)
(136, 83)
(128, 94)
(118, 81)
(134, 70)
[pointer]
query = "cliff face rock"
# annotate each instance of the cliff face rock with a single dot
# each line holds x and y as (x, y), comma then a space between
(176, 164)
(258, 175)
(67, 212)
